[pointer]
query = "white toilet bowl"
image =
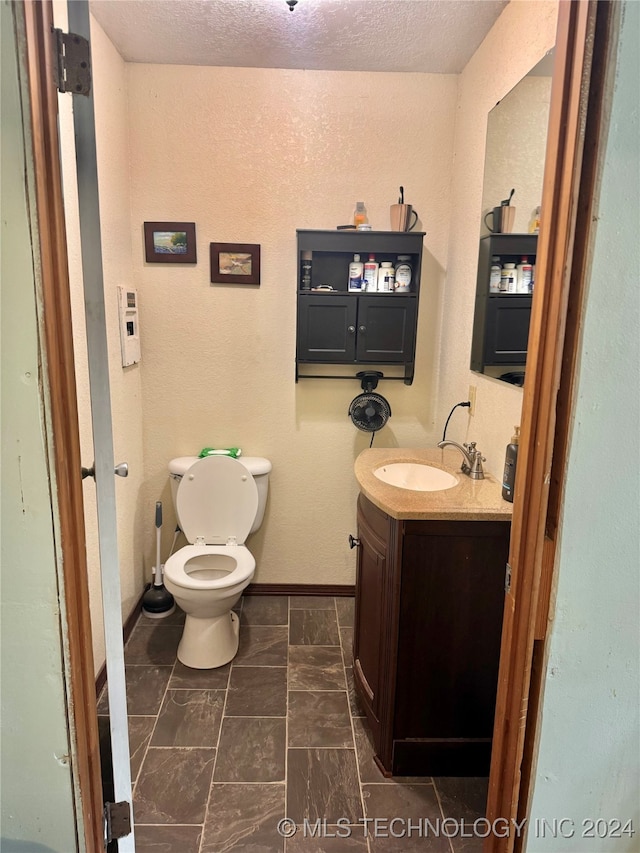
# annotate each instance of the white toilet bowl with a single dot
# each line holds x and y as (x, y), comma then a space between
(217, 502)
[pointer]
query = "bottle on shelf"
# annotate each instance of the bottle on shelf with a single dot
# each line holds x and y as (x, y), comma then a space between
(360, 214)
(386, 277)
(508, 278)
(356, 269)
(525, 274)
(305, 271)
(510, 463)
(404, 274)
(494, 277)
(370, 275)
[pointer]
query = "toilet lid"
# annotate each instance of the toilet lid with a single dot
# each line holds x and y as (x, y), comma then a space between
(217, 500)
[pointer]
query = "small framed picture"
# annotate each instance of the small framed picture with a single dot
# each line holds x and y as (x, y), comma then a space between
(170, 242)
(235, 263)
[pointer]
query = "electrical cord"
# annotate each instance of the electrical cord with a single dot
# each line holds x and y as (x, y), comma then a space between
(373, 435)
(465, 405)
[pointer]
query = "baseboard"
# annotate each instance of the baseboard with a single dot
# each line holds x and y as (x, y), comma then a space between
(337, 590)
(127, 628)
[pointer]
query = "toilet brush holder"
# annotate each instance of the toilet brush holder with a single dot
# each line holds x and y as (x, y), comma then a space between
(157, 602)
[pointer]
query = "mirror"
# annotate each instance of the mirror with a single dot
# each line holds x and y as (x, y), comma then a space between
(514, 160)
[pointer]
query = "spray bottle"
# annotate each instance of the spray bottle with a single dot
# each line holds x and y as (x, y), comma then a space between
(510, 462)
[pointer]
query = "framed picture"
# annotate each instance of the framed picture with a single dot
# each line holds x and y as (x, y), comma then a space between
(170, 242)
(235, 263)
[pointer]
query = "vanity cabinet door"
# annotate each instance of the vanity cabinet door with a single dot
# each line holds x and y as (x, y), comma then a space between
(386, 328)
(327, 328)
(368, 630)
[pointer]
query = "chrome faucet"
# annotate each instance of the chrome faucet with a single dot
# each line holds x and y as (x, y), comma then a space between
(473, 459)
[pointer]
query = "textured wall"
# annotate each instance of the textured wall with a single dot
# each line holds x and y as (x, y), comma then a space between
(110, 99)
(588, 762)
(515, 152)
(519, 39)
(250, 155)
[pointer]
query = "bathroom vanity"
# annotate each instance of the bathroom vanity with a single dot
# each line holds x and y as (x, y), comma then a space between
(428, 616)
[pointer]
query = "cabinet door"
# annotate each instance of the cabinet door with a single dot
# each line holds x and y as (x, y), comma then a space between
(327, 328)
(507, 329)
(386, 328)
(369, 623)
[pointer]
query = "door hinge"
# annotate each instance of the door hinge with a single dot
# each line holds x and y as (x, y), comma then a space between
(117, 820)
(73, 71)
(507, 579)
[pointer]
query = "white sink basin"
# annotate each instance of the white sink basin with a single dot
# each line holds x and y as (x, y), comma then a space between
(415, 476)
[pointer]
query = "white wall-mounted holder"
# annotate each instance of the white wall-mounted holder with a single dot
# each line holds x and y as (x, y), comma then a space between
(129, 325)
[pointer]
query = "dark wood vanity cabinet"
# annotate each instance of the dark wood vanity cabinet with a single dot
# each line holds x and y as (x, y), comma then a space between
(338, 327)
(426, 646)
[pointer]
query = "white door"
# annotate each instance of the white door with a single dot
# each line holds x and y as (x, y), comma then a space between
(104, 464)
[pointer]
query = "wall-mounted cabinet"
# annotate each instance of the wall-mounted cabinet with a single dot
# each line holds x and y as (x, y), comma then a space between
(501, 320)
(336, 326)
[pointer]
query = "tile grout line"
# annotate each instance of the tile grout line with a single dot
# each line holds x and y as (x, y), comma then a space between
(353, 735)
(442, 814)
(156, 715)
(285, 843)
(215, 760)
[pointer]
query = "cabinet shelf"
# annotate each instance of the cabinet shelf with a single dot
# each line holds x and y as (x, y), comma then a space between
(339, 326)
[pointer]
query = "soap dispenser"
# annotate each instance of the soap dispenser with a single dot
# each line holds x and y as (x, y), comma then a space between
(510, 462)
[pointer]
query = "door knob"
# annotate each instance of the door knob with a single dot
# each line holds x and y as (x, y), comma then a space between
(121, 470)
(351, 329)
(362, 328)
(353, 543)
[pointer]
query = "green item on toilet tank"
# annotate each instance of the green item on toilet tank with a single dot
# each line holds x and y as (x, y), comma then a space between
(222, 451)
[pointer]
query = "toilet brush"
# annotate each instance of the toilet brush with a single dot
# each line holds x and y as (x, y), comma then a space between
(157, 602)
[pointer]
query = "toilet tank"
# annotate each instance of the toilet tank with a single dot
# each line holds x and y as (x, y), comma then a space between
(257, 466)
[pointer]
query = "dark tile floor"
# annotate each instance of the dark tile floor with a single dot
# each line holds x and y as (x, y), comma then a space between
(219, 757)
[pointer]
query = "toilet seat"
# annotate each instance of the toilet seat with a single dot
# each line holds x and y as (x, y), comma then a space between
(176, 568)
(217, 501)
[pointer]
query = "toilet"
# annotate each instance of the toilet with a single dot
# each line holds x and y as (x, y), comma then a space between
(219, 502)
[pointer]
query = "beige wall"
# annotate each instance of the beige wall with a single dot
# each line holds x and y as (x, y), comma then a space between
(250, 155)
(112, 138)
(516, 148)
(519, 39)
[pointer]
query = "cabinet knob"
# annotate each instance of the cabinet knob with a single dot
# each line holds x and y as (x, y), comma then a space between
(351, 329)
(353, 543)
(362, 328)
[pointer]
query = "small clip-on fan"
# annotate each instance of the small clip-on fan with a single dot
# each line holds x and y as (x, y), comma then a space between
(369, 411)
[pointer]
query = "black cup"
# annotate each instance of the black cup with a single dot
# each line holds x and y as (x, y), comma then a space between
(496, 220)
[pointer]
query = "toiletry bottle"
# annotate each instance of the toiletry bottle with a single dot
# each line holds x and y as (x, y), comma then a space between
(510, 462)
(305, 271)
(360, 214)
(525, 271)
(356, 269)
(386, 277)
(404, 273)
(508, 278)
(370, 275)
(494, 276)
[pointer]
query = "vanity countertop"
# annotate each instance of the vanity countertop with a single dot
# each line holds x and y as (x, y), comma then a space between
(470, 500)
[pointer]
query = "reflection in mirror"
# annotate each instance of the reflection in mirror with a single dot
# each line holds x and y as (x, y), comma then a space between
(511, 197)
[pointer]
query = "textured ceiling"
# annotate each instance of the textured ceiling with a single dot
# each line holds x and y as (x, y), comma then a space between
(437, 36)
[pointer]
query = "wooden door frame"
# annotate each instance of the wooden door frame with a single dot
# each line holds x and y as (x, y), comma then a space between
(583, 48)
(59, 369)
